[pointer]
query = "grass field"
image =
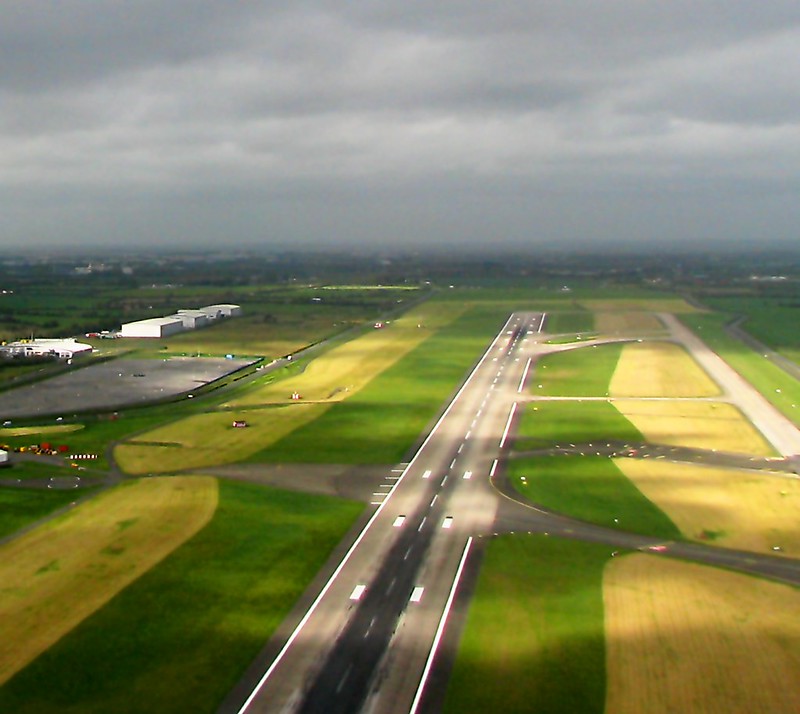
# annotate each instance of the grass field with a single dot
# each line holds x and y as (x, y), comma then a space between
(591, 489)
(689, 638)
(560, 321)
(20, 507)
(644, 303)
(701, 425)
(380, 423)
(627, 323)
(582, 372)
(41, 430)
(731, 508)
(179, 637)
(777, 386)
(547, 424)
(60, 573)
(533, 640)
(659, 369)
(25, 470)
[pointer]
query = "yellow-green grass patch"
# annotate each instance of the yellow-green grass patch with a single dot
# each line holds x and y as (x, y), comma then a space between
(700, 425)
(626, 322)
(31, 430)
(674, 305)
(682, 637)
(208, 439)
(735, 509)
(55, 576)
(659, 369)
(350, 366)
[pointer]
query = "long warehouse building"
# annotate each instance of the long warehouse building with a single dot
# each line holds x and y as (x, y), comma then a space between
(152, 327)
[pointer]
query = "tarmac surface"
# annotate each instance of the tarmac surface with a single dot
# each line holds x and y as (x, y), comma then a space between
(114, 384)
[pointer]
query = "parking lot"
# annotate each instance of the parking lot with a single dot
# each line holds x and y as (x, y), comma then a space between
(114, 384)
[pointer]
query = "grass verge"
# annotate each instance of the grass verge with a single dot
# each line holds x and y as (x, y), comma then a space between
(534, 638)
(21, 507)
(592, 489)
(582, 372)
(178, 638)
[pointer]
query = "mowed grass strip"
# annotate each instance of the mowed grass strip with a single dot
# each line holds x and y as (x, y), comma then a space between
(592, 489)
(700, 425)
(347, 368)
(180, 637)
(21, 507)
(659, 369)
(580, 372)
(664, 304)
(559, 321)
(38, 430)
(547, 424)
(207, 439)
(60, 573)
(690, 638)
(735, 509)
(381, 423)
(627, 322)
(533, 640)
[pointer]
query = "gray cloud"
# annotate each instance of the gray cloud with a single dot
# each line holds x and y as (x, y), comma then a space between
(456, 121)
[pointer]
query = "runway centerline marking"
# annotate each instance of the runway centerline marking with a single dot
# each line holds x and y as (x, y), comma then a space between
(444, 481)
(433, 500)
(422, 523)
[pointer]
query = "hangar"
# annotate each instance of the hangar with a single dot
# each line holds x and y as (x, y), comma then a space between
(191, 318)
(152, 327)
(60, 348)
(223, 310)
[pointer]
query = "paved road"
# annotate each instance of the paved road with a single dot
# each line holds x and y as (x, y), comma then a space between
(363, 645)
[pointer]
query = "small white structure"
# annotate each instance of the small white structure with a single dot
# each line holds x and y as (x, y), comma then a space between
(153, 327)
(191, 318)
(66, 348)
(3, 458)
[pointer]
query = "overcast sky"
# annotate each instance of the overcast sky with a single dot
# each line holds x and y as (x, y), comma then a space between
(654, 123)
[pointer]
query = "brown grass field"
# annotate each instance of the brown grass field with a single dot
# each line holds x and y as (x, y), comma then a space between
(627, 322)
(682, 637)
(659, 369)
(735, 509)
(56, 575)
(44, 429)
(701, 425)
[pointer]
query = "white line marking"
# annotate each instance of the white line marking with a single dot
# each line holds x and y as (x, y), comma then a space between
(469, 434)
(358, 591)
(508, 424)
(391, 586)
(447, 522)
(427, 474)
(444, 480)
(541, 322)
(300, 625)
(524, 376)
(474, 421)
(422, 523)
(434, 500)
(416, 595)
(452, 463)
(399, 521)
(467, 475)
(440, 630)
(375, 503)
(461, 448)
(408, 552)
(344, 679)
(493, 469)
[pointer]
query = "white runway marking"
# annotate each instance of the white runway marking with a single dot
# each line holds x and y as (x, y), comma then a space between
(524, 376)
(422, 523)
(416, 595)
(508, 424)
(493, 469)
(358, 591)
(399, 521)
(467, 475)
(427, 474)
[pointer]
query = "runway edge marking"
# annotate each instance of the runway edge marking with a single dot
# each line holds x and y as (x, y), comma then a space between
(360, 537)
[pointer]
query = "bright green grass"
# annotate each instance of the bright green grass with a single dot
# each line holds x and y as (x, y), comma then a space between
(21, 507)
(578, 321)
(591, 489)
(180, 637)
(776, 385)
(382, 421)
(534, 641)
(547, 424)
(581, 372)
(27, 470)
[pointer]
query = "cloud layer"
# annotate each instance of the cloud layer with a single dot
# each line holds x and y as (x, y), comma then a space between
(399, 123)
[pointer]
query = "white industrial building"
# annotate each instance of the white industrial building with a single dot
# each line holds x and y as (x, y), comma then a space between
(152, 327)
(225, 310)
(192, 318)
(61, 348)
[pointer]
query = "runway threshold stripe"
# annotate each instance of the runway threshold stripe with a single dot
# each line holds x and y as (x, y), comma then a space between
(300, 625)
(440, 630)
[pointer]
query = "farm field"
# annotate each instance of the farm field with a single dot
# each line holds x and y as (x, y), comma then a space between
(533, 639)
(731, 508)
(659, 369)
(682, 637)
(178, 637)
(66, 569)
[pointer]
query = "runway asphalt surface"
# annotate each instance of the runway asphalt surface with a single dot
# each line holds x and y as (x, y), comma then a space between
(365, 642)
